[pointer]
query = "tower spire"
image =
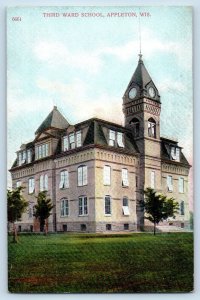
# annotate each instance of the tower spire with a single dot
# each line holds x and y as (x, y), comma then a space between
(140, 39)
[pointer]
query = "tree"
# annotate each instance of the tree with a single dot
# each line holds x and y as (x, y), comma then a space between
(42, 209)
(158, 207)
(16, 205)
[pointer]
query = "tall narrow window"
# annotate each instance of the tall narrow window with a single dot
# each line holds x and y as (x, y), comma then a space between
(106, 175)
(153, 179)
(151, 128)
(111, 138)
(125, 177)
(120, 141)
(64, 207)
(170, 183)
(31, 185)
(83, 205)
(64, 180)
(181, 184)
(136, 181)
(135, 126)
(182, 208)
(41, 183)
(65, 143)
(23, 156)
(47, 149)
(29, 153)
(107, 205)
(125, 207)
(30, 210)
(72, 141)
(78, 138)
(82, 175)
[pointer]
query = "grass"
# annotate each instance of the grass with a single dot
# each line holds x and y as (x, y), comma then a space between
(91, 263)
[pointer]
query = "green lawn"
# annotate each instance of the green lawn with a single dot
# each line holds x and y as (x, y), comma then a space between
(91, 263)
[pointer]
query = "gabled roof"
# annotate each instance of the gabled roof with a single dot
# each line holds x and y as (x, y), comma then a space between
(54, 120)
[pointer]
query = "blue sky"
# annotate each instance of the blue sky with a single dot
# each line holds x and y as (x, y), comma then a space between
(84, 64)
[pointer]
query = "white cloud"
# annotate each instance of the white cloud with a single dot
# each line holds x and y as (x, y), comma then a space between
(58, 53)
(171, 86)
(82, 105)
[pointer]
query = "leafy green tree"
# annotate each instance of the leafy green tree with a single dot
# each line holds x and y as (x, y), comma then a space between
(158, 207)
(42, 209)
(16, 206)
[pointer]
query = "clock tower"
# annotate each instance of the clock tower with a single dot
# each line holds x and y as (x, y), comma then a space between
(141, 108)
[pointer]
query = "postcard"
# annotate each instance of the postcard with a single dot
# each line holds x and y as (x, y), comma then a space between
(100, 149)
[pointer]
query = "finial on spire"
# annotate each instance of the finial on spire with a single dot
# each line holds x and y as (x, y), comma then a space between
(140, 40)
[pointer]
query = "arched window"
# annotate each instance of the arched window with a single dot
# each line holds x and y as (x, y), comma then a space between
(151, 128)
(136, 126)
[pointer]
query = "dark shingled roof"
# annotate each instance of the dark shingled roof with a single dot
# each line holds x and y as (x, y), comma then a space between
(95, 135)
(165, 152)
(54, 120)
(142, 79)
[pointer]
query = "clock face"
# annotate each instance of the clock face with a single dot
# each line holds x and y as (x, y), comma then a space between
(132, 93)
(152, 92)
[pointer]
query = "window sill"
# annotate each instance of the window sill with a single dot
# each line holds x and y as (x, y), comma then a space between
(63, 188)
(31, 193)
(107, 184)
(82, 185)
(107, 215)
(64, 216)
(181, 192)
(83, 215)
(125, 186)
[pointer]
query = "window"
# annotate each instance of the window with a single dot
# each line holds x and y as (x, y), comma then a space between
(42, 151)
(175, 153)
(107, 175)
(78, 138)
(44, 183)
(18, 184)
(152, 179)
(125, 177)
(64, 227)
(30, 210)
(82, 175)
(64, 180)
(182, 208)
(41, 183)
(72, 141)
(181, 184)
(151, 128)
(125, 207)
(21, 157)
(107, 205)
(111, 138)
(64, 207)
(120, 142)
(108, 227)
(29, 153)
(135, 124)
(126, 226)
(170, 183)
(83, 206)
(31, 185)
(65, 143)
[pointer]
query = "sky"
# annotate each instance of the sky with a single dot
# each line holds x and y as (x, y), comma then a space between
(83, 64)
